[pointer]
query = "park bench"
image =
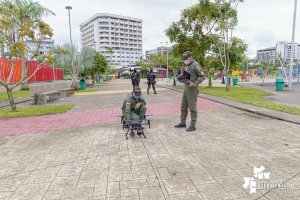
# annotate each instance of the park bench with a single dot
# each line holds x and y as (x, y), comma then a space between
(63, 89)
(39, 94)
(89, 83)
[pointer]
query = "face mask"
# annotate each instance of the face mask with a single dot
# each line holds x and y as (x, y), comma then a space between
(136, 96)
(134, 70)
(186, 62)
(151, 70)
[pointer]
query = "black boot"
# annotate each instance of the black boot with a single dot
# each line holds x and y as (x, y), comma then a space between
(180, 125)
(148, 92)
(155, 92)
(191, 128)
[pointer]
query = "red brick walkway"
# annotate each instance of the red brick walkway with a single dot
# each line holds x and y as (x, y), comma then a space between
(18, 126)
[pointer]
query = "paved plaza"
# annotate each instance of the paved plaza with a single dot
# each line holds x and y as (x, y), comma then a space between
(83, 154)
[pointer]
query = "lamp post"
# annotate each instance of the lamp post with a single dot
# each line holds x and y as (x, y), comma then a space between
(69, 8)
(293, 47)
(167, 60)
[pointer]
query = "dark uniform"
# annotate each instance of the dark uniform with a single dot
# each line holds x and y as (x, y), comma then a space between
(128, 110)
(151, 80)
(135, 78)
(189, 98)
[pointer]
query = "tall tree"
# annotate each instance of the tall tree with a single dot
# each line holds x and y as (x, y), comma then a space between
(100, 65)
(144, 70)
(69, 57)
(28, 10)
(9, 19)
(192, 32)
(226, 20)
(110, 51)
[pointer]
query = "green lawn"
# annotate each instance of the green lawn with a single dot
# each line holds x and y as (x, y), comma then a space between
(16, 95)
(87, 90)
(248, 96)
(35, 111)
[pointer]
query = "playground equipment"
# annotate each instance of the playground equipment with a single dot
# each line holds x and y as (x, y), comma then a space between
(218, 75)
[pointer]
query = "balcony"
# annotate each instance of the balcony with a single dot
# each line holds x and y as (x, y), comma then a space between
(103, 19)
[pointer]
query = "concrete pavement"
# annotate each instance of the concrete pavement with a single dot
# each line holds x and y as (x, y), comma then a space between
(97, 162)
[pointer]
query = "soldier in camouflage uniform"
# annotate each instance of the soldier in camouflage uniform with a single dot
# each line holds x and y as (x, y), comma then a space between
(151, 80)
(135, 78)
(189, 98)
(134, 106)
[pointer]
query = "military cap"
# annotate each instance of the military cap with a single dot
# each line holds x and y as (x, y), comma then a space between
(137, 91)
(186, 55)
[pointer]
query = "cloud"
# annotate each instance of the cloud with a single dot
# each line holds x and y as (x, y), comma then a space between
(261, 22)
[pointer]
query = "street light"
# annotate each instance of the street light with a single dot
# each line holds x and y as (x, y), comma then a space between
(293, 47)
(167, 60)
(69, 8)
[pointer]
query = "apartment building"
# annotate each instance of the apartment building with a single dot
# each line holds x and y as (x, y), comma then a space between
(284, 49)
(45, 47)
(123, 34)
(265, 55)
(163, 50)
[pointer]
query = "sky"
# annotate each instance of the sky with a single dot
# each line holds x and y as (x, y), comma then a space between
(261, 22)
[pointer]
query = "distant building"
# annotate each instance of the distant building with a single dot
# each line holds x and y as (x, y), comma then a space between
(264, 55)
(160, 50)
(284, 49)
(123, 34)
(45, 47)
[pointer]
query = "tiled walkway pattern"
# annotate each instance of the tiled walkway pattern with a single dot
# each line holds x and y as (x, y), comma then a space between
(18, 126)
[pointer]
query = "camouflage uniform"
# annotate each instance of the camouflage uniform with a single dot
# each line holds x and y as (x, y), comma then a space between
(151, 81)
(128, 108)
(189, 98)
(135, 79)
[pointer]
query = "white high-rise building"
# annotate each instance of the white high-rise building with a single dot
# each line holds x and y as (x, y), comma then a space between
(284, 49)
(123, 34)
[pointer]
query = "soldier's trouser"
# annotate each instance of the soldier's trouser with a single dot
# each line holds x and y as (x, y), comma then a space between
(135, 83)
(153, 86)
(139, 114)
(189, 100)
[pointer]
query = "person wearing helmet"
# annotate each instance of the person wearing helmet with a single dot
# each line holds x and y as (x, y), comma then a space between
(151, 80)
(135, 78)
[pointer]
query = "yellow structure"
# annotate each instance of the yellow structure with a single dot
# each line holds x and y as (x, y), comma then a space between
(236, 73)
(114, 76)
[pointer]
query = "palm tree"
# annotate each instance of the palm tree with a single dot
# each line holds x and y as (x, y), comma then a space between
(110, 51)
(29, 10)
(73, 60)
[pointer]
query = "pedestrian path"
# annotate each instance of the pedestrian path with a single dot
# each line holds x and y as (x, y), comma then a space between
(113, 92)
(19, 126)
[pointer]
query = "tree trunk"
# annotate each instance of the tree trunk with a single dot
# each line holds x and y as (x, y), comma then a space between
(11, 101)
(75, 85)
(208, 73)
(227, 82)
(93, 78)
(24, 85)
(205, 65)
